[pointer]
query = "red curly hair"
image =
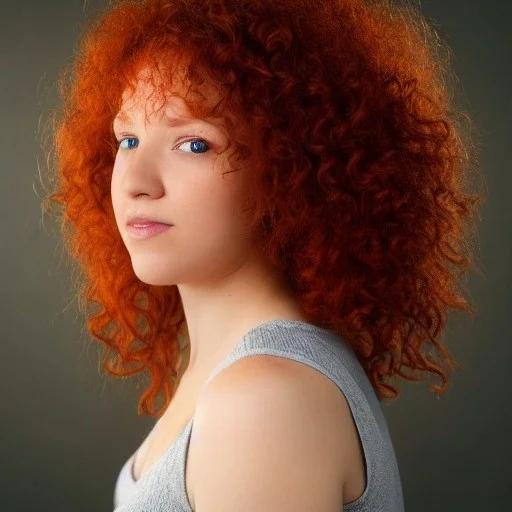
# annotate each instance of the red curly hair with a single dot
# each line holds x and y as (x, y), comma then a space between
(361, 163)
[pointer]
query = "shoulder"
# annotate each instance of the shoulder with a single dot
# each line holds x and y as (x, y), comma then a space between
(269, 434)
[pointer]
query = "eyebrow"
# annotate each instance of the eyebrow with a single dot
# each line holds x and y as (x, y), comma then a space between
(172, 121)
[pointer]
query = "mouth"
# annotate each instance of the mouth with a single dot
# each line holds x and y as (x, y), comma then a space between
(143, 231)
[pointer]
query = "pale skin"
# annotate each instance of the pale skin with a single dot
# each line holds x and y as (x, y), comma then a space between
(282, 430)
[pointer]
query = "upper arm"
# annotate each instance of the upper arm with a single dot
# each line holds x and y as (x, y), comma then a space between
(266, 442)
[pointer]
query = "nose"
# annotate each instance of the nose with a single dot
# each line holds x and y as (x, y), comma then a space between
(142, 175)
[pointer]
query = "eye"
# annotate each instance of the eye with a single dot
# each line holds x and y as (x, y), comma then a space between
(130, 145)
(197, 144)
(201, 145)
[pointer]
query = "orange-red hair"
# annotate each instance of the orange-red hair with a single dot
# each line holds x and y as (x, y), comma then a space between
(361, 166)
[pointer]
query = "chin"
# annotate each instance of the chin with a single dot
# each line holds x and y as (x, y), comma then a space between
(152, 276)
(153, 281)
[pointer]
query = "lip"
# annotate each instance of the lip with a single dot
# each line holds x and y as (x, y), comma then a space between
(146, 229)
(134, 219)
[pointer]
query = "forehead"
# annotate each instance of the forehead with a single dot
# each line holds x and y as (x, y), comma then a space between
(154, 98)
(148, 100)
(172, 111)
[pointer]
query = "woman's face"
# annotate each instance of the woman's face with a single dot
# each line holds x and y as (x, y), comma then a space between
(173, 174)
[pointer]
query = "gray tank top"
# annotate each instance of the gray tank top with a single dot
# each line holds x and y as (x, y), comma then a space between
(162, 488)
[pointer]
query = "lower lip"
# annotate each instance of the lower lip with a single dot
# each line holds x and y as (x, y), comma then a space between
(144, 231)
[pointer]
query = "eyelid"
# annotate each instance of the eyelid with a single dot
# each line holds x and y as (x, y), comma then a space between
(194, 136)
(181, 140)
(198, 131)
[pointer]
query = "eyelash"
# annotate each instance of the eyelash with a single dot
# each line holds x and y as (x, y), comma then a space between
(184, 142)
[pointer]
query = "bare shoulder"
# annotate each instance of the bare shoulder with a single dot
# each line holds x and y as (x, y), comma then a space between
(269, 434)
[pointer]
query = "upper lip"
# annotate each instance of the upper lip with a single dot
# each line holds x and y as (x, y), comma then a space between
(138, 219)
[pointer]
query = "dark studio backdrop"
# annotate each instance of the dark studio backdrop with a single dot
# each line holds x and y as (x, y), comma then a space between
(66, 430)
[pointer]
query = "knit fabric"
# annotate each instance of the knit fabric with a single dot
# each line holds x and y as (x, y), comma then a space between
(162, 488)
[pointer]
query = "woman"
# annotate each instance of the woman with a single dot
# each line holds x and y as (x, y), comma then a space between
(280, 185)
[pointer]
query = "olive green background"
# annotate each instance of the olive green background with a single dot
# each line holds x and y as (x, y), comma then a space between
(66, 430)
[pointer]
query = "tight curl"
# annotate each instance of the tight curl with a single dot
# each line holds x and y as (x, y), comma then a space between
(361, 164)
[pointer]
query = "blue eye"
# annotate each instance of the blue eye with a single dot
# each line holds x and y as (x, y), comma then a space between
(195, 144)
(127, 139)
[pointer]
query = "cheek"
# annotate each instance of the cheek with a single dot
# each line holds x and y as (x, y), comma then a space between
(115, 171)
(115, 193)
(217, 203)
